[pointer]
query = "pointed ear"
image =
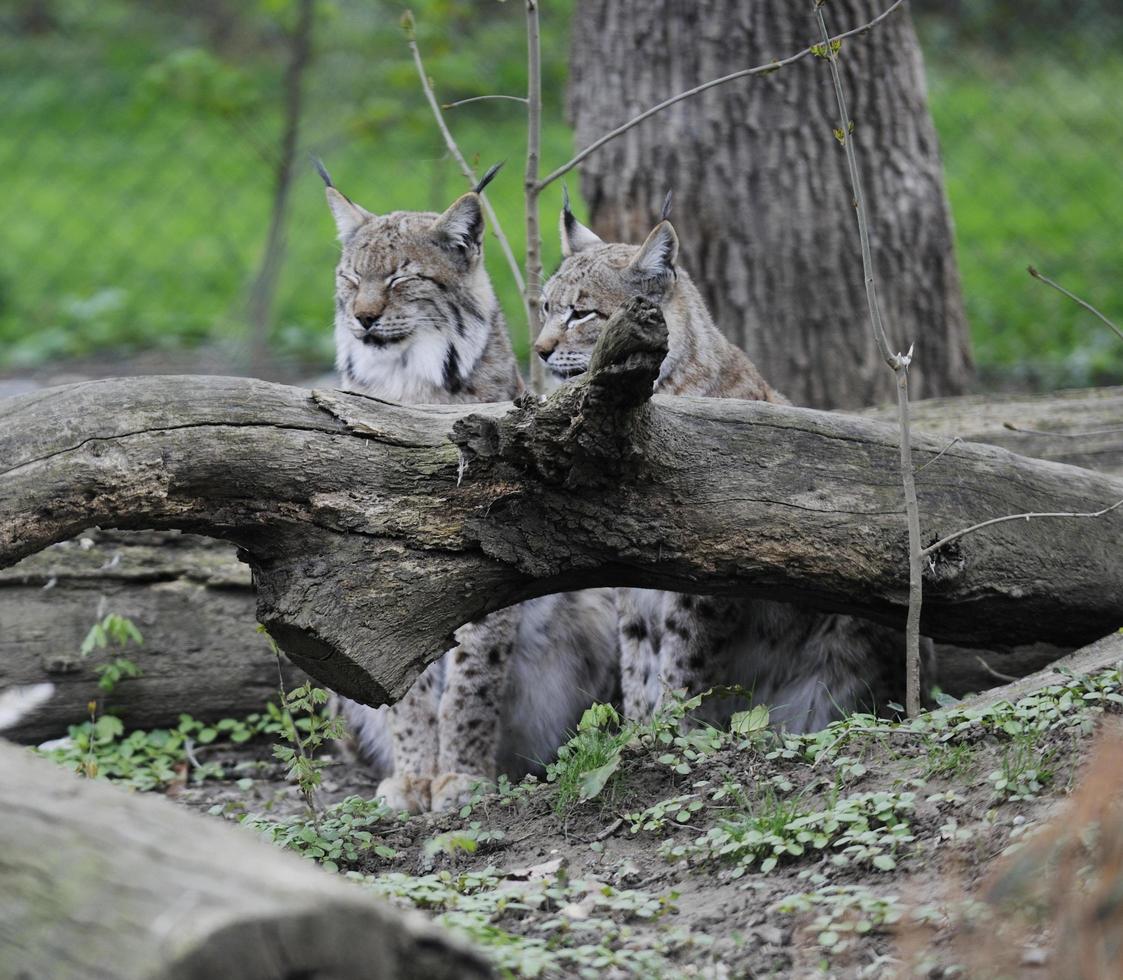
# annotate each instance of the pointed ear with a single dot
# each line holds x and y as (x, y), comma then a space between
(575, 237)
(461, 228)
(654, 264)
(348, 215)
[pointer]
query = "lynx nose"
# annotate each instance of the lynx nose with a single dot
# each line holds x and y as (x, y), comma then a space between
(544, 354)
(366, 321)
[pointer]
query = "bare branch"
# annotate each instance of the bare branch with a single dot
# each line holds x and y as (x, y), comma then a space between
(765, 69)
(533, 289)
(1061, 435)
(1076, 299)
(454, 151)
(483, 98)
(936, 546)
(900, 366)
(939, 454)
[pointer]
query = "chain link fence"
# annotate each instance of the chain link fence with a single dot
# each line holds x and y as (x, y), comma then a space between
(143, 144)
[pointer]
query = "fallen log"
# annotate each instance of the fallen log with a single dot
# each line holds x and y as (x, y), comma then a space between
(1082, 427)
(97, 882)
(374, 529)
(191, 599)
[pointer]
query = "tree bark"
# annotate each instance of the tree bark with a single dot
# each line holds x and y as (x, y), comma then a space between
(1081, 427)
(99, 883)
(763, 204)
(194, 600)
(190, 597)
(374, 530)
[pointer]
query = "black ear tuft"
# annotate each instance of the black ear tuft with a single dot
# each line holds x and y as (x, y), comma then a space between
(489, 176)
(665, 213)
(322, 171)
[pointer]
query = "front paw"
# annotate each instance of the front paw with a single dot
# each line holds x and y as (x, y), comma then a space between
(451, 790)
(409, 793)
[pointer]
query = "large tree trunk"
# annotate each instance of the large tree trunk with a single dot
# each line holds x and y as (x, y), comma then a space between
(374, 530)
(99, 883)
(763, 204)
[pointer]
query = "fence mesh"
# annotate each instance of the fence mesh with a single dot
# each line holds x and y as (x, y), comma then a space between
(140, 145)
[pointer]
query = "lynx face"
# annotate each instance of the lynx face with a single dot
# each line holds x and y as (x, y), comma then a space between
(593, 281)
(414, 308)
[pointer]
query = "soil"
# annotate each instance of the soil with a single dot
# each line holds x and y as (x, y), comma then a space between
(712, 922)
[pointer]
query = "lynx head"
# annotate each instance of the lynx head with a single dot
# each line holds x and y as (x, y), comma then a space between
(594, 280)
(413, 303)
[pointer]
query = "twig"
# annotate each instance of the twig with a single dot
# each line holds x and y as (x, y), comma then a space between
(1076, 299)
(533, 290)
(939, 454)
(936, 546)
(482, 98)
(454, 151)
(899, 363)
(1061, 435)
(996, 674)
(698, 89)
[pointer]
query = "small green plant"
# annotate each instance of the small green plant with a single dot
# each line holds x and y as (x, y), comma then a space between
(1024, 769)
(842, 914)
(588, 761)
(306, 728)
(340, 836)
(113, 634)
(468, 840)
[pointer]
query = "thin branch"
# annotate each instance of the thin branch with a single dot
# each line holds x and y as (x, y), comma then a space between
(534, 275)
(996, 674)
(939, 454)
(1076, 299)
(482, 98)
(454, 151)
(1061, 435)
(765, 69)
(900, 366)
(932, 548)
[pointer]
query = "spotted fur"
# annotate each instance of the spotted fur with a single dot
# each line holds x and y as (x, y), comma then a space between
(808, 666)
(416, 320)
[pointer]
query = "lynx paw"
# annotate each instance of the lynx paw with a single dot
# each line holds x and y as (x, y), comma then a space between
(451, 790)
(409, 793)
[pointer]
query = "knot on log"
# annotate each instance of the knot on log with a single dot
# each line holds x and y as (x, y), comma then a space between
(590, 431)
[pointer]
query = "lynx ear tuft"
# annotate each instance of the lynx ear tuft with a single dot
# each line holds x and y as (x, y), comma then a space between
(575, 237)
(461, 228)
(666, 212)
(489, 176)
(654, 264)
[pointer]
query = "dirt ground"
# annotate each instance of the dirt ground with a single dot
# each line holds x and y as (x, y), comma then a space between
(863, 851)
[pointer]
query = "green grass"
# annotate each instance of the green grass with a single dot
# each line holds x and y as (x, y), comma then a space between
(1031, 162)
(137, 184)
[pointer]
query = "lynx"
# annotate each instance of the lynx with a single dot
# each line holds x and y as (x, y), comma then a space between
(416, 320)
(807, 666)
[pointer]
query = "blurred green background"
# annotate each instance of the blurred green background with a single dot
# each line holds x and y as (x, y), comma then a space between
(139, 143)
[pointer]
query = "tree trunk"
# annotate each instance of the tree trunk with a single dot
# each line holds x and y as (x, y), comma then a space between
(193, 602)
(99, 883)
(374, 530)
(763, 204)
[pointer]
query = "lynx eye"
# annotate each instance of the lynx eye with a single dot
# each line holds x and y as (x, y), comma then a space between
(577, 317)
(349, 279)
(545, 306)
(394, 281)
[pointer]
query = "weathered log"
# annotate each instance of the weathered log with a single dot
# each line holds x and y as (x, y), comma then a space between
(195, 603)
(97, 882)
(192, 600)
(1081, 427)
(373, 529)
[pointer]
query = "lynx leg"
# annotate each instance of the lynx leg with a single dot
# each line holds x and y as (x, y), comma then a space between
(471, 708)
(414, 733)
(639, 656)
